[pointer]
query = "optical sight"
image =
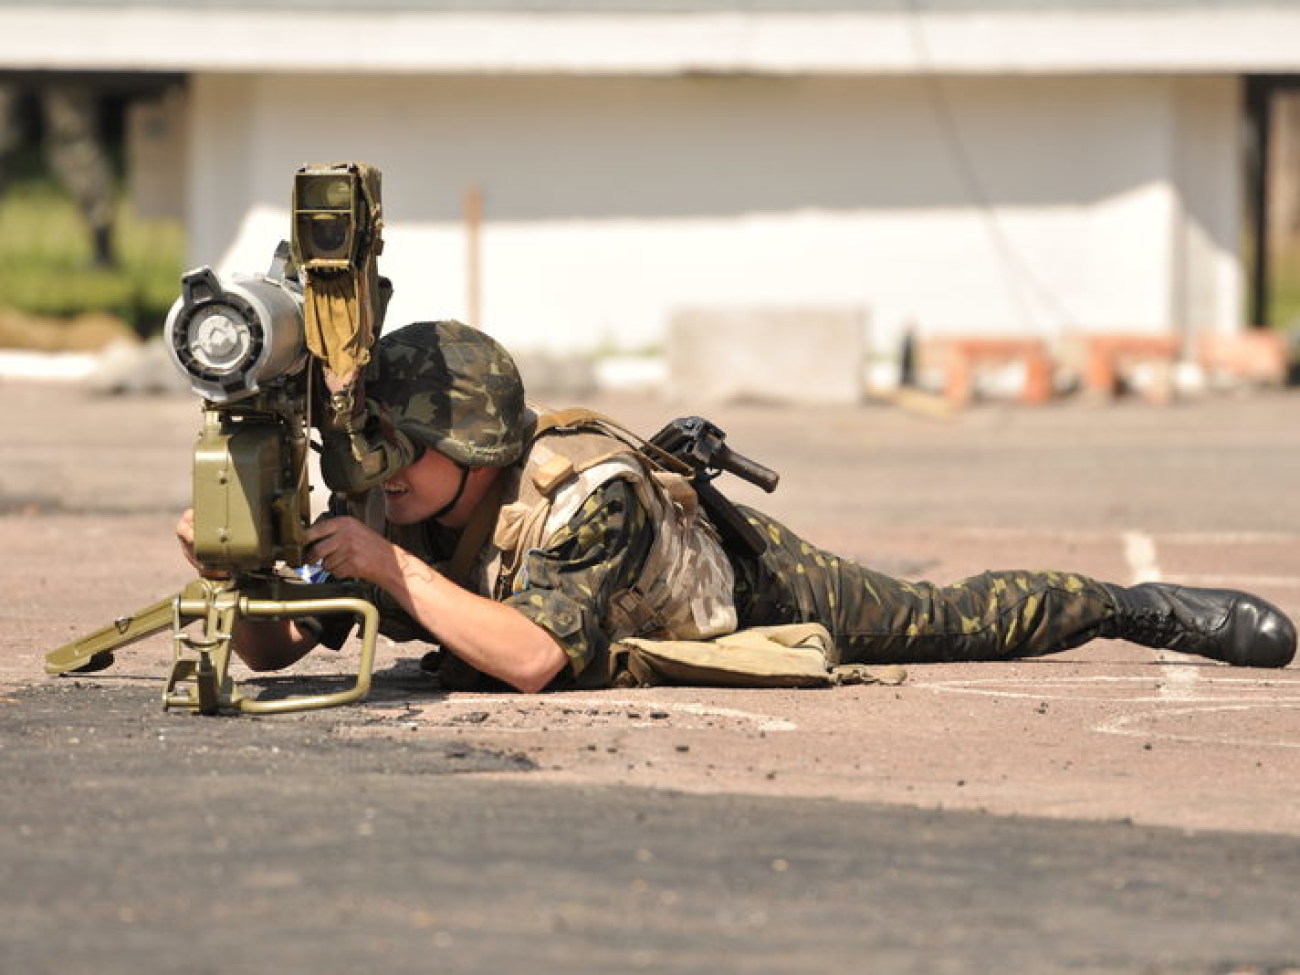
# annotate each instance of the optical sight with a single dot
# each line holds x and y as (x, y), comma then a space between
(330, 219)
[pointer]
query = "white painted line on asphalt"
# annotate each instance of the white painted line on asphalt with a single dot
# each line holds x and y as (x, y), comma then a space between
(1128, 725)
(1179, 682)
(1140, 554)
(1213, 690)
(761, 722)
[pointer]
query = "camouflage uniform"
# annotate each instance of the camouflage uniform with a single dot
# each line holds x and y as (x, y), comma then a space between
(872, 617)
(566, 584)
(877, 619)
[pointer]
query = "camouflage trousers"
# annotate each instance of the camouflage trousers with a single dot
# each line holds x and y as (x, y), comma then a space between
(878, 619)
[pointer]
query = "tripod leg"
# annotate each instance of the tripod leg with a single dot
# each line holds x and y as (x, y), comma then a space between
(94, 652)
(198, 679)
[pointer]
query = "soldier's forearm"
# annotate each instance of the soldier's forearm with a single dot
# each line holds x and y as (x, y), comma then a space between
(490, 637)
(271, 644)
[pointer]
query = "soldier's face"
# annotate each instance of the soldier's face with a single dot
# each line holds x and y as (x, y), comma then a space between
(416, 492)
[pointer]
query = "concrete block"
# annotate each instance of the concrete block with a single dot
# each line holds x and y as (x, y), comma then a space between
(547, 375)
(128, 368)
(810, 355)
(1258, 356)
(1118, 359)
(965, 358)
(631, 374)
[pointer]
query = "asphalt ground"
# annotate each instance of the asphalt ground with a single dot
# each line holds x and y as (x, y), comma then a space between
(1110, 810)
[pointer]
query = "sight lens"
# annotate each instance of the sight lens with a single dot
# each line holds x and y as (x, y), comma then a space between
(326, 192)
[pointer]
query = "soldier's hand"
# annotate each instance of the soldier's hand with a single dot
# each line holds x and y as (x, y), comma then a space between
(350, 550)
(185, 535)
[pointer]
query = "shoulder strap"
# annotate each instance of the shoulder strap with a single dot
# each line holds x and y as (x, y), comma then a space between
(482, 522)
(476, 534)
(580, 418)
(577, 418)
(484, 519)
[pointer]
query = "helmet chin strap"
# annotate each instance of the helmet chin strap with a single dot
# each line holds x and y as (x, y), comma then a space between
(460, 490)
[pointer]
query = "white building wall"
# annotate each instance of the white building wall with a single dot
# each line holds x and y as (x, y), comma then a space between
(994, 38)
(222, 156)
(1209, 179)
(999, 204)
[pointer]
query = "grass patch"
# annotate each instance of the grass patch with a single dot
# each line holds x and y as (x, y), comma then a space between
(45, 261)
(1284, 295)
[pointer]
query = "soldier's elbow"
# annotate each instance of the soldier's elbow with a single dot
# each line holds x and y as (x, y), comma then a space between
(535, 673)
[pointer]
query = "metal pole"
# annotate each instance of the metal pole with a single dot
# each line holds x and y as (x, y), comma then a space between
(473, 246)
(1259, 91)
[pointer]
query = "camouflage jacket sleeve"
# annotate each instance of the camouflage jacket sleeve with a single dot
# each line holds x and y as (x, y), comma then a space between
(566, 586)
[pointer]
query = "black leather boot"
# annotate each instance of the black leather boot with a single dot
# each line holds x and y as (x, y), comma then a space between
(1222, 624)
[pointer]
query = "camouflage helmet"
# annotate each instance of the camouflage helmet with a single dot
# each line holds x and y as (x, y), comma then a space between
(454, 389)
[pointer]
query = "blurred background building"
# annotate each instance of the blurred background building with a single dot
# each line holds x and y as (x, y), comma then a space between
(574, 174)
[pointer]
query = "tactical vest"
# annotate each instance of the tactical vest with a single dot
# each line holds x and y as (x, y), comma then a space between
(685, 588)
(676, 624)
(683, 592)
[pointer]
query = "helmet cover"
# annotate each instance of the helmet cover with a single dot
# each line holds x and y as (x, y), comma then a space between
(453, 389)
